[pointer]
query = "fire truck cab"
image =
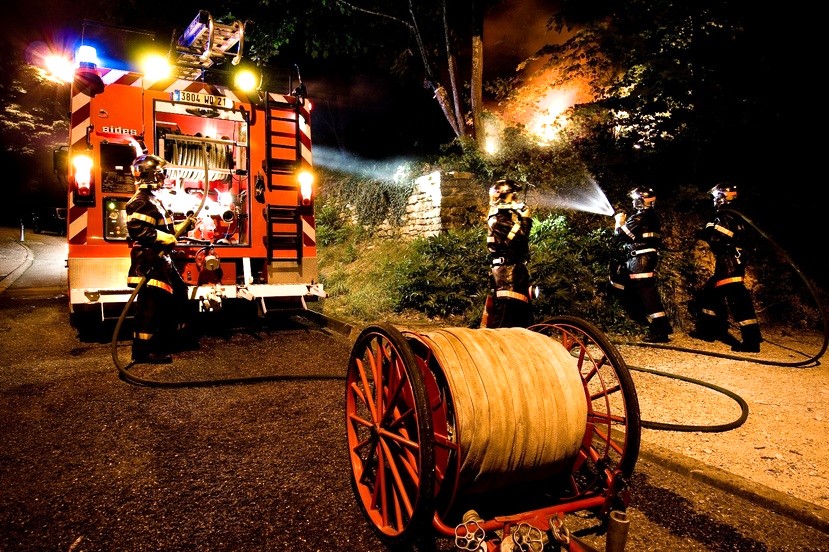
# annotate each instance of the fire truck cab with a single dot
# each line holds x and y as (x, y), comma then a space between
(239, 161)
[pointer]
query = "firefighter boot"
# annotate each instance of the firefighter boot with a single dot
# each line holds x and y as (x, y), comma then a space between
(707, 329)
(751, 340)
(143, 353)
(658, 331)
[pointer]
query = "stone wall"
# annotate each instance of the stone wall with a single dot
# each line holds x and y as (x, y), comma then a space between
(439, 202)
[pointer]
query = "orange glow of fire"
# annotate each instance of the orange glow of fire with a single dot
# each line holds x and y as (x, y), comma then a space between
(548, 120)
(540, 108)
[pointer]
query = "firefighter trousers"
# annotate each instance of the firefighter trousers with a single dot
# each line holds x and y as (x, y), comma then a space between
(717, 301)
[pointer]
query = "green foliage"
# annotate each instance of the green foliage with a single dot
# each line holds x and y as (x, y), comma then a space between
(34, 116)
(571, 267)
(678, 101)
(367, 201)
(33, 124)
(462, 154)
(445, 275)
(331, 225)
(557, 170)
(448, 275)
(357, 277)
(652, 62)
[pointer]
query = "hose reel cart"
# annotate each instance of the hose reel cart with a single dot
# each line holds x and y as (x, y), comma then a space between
(489, 435)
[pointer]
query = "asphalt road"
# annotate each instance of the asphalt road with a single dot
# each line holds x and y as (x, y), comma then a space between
(91, 462)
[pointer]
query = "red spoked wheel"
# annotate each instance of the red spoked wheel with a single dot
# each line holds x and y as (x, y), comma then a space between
(611, 443)
(390, 439)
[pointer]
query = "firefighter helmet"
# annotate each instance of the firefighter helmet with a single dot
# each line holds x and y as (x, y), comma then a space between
(149, 169)
(503, 191)
(643, 198)
(723, 193)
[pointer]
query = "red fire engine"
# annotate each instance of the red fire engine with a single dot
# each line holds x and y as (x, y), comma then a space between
(238, 160)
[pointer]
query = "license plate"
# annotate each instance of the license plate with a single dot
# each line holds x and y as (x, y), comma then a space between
(201, 99)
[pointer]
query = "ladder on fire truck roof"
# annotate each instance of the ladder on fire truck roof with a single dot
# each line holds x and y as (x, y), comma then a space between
(206, 42)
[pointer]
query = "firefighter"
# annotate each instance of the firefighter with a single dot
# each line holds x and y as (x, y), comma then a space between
(634, 273)
(162, 298)
(509, 224)
(725, 290)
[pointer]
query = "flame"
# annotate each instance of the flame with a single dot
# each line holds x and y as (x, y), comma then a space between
(540, 105)
(548, 120)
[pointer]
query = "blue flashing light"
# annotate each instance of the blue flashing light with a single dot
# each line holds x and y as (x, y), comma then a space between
(86, 54)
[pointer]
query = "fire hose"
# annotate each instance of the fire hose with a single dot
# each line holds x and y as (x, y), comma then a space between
(124, 370)
(812, 290)
(743, 405)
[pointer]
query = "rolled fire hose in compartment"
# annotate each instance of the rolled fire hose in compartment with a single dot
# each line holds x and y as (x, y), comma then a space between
(186, 157)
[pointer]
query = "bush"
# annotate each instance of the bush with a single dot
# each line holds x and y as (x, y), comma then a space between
(448, 275)
(571, 266)
(358, 277)
(445, 276)
(331, 226)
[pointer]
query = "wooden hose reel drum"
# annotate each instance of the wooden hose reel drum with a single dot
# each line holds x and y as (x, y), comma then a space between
(517, 424)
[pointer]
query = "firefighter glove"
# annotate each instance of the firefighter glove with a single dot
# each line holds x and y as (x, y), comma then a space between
(165, 238)
(621, 219)
(184, 225)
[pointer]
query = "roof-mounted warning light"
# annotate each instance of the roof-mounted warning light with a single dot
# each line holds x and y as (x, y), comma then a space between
(87, 80)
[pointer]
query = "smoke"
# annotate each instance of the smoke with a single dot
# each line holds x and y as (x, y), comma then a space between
(514, 31)
(397, 170)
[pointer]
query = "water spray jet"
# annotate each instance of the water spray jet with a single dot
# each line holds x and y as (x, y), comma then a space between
(587, 197)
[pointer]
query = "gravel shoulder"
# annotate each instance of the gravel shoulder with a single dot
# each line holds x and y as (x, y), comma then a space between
(778, 445)
(93, 463)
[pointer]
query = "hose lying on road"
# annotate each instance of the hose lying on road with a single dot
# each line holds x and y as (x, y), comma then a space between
(124, 370)
(743, 405)
(687, 427)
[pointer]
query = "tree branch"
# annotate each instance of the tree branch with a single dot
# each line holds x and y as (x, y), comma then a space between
(451, 66)
(378, 14)
(451, 110)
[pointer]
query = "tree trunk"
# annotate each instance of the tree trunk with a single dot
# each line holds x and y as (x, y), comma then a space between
(477, 77)
(443, 101)
(453, 81)
(476, 96)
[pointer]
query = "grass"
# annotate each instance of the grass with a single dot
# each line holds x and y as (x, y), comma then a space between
(357, 275)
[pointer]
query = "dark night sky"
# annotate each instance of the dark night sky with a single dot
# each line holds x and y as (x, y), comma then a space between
(369, 114)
